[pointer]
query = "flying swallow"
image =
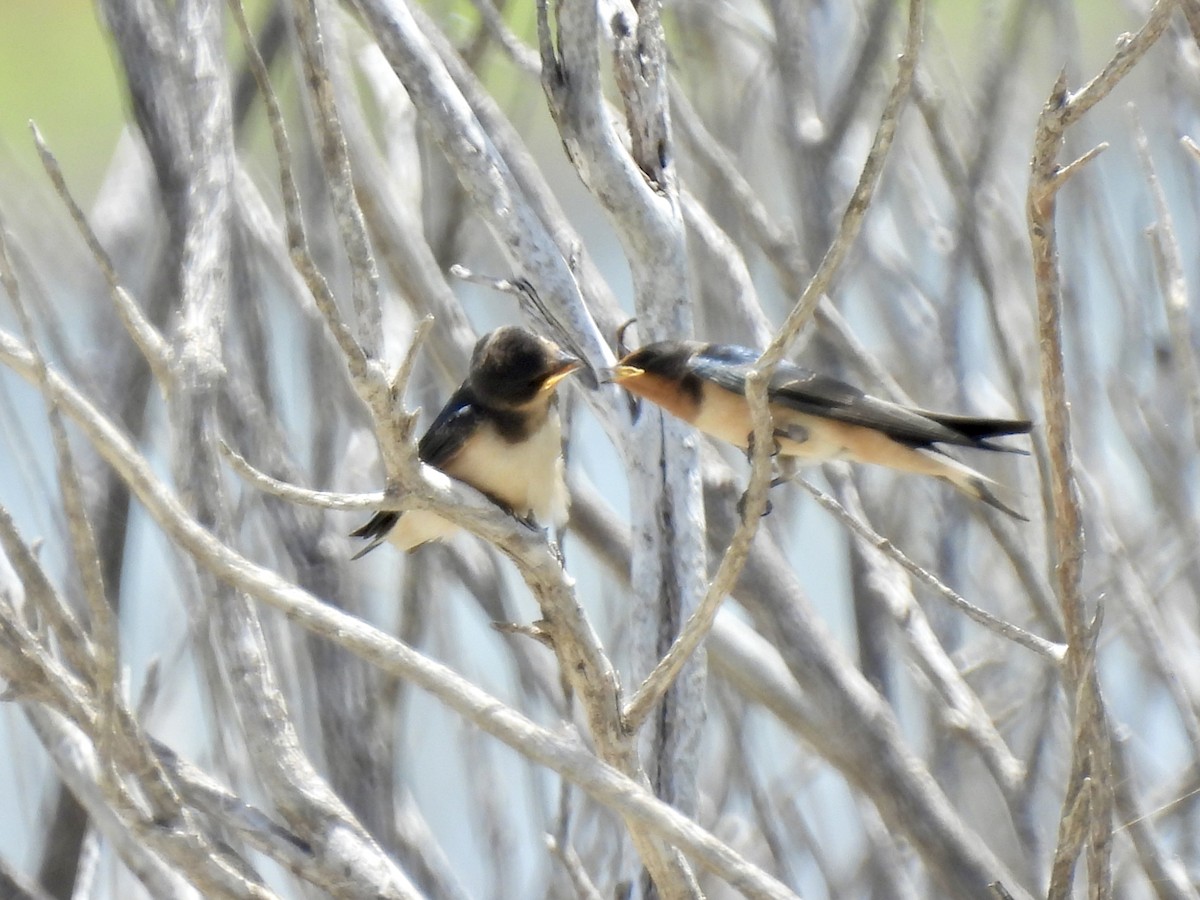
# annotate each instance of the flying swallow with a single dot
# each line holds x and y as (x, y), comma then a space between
(816, 418)
(500, 433)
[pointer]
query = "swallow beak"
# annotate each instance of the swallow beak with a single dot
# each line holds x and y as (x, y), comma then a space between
(624, 373)
(565, 365)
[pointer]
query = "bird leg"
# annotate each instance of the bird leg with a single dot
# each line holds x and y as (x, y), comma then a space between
(528, 521)
(556, 544)
(556, 548)
(555, 541)
(785, 470)
(741, 505)
(791, 432)
(775, 447)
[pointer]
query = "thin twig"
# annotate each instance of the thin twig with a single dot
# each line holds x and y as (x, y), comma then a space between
(755, 501)
(1091, 763)
(312, 24)
(155, 350)
(628, 163)
(293, 493)
(184, 844)
(147, 851)
(1191, 146)
(1048, 650)
(406, 421)
(564, 755)
(581, 882)
(523, 57)
(357, 359)
(105, 644)
(1172, 282)
(1063, 173)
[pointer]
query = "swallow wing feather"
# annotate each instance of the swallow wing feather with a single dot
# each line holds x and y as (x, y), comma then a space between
(449, 432)
(812, 393)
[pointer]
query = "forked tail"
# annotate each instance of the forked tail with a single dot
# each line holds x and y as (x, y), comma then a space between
(375, 530)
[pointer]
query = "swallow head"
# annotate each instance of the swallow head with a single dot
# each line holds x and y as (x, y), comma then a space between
(662, 373)
(512, 367)
(665, 359)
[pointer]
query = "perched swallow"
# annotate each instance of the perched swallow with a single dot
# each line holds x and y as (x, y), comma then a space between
(816, 418)
(500, 433)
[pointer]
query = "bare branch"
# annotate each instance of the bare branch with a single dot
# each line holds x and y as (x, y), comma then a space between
(147, 338)
(580, 766)
(1048, 650)
(105, 666)
(754, 503)
(321, 499)
(708, 162)
(1064, 173)
(1169, 263)
(336, 161)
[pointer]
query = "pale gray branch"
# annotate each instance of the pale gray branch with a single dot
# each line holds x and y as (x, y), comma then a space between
(601, 781)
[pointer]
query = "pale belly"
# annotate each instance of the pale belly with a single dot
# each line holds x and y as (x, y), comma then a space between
(527, 476)
(725, 415)
(417, 527)
(813, 439)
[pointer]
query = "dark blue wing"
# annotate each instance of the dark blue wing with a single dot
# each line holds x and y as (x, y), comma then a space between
(728, 364)
(809, 392)
(456, 422)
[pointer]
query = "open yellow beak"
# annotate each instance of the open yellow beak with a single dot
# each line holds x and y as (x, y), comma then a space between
(551, 382)
(624, 373)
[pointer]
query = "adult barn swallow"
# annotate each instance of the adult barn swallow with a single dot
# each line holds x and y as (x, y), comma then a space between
(816, 418)
(500, 433)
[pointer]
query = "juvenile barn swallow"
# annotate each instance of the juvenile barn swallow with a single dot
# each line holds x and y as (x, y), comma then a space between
(816, 418)
(500, 433)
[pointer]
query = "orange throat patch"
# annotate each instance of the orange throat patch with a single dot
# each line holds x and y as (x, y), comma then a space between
(664, 392)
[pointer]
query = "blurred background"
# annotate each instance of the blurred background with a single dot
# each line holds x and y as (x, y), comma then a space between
(935, 306)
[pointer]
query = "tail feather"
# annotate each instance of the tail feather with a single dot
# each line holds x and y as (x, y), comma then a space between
(977, 430)
(376, 530)
(975, 485)
(980, 489)
(978, 427)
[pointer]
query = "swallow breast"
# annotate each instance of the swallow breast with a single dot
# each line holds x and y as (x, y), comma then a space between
(525, 475)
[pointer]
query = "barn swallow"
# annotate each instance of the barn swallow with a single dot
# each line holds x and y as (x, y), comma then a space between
(816, 418)
(500, 433)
